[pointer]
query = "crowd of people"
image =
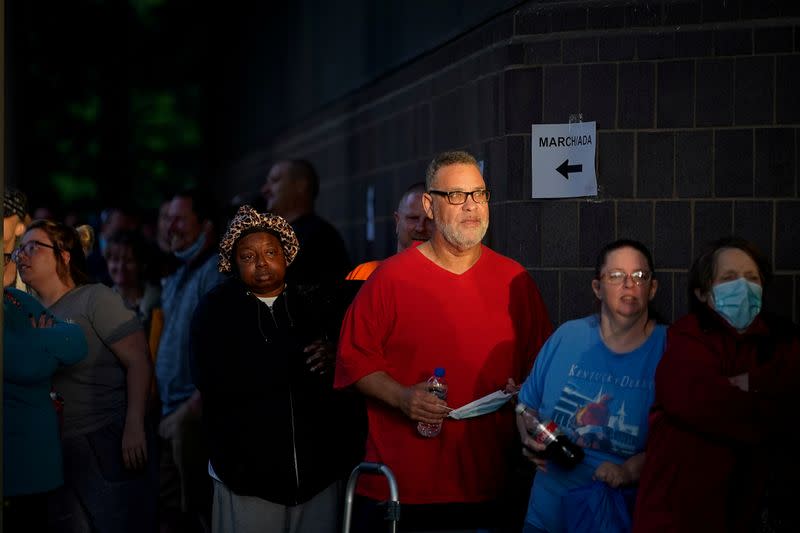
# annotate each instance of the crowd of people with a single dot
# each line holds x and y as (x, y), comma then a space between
(228, 375)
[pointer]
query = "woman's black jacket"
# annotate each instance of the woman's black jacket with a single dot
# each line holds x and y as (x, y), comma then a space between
(275, 430)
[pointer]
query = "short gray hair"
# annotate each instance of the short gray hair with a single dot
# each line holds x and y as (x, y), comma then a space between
(444, 159)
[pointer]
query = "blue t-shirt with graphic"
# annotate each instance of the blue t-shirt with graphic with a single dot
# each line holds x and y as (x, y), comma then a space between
(600, 399)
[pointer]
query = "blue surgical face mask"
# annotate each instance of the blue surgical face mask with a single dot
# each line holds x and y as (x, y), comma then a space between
(738, 301)
(188, 253)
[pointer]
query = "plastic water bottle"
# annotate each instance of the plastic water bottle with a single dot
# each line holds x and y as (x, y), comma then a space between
(438, 386)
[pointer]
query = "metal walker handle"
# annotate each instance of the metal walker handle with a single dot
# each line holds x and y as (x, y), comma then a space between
(393, 509)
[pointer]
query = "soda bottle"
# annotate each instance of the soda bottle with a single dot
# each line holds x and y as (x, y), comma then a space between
(558, 447)
(438, 386)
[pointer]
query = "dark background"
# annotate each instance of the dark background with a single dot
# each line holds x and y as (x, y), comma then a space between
(695, 102)
(117, 101)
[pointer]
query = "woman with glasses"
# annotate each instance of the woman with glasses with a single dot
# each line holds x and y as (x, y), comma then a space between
(109, 469)
(594, 379)
(724, 438)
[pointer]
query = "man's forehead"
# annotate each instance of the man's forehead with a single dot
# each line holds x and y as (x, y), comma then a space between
(181, 206)
(459, 176)
(278, 171)
(412, 202)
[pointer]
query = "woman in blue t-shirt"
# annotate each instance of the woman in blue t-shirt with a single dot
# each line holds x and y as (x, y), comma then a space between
(594, 378)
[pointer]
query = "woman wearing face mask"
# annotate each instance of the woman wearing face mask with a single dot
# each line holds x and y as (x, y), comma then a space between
(723, 408)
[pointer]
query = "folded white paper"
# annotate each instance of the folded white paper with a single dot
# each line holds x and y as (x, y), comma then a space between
(488, 404)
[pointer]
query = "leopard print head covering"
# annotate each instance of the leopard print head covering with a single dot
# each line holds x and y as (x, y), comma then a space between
(248, 218)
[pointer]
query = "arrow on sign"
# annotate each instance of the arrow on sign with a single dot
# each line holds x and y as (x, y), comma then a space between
(565, 168)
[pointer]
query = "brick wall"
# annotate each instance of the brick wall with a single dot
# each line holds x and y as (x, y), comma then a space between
(697, 113)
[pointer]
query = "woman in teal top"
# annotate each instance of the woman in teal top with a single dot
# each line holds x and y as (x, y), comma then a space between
(34, 346)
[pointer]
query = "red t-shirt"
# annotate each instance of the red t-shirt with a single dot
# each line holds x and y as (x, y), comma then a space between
(483, 326)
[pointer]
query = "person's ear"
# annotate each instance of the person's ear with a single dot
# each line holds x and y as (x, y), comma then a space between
(701, 296)
(596, 288)
(19, 229)
(427, 205)
(66, 256)
(653, 289)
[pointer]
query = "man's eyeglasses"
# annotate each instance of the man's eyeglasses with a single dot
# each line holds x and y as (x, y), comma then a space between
(618, 277)
(29, 248)
(479, 196)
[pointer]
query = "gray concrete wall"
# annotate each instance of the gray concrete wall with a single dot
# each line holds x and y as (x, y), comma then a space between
(697, 114)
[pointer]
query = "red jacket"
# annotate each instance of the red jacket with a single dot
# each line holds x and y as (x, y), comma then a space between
(710, 442)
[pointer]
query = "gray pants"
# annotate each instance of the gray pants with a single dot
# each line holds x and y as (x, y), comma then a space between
(247, 514)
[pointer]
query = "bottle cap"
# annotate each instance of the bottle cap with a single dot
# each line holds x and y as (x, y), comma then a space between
(520, 408)
(439, 372)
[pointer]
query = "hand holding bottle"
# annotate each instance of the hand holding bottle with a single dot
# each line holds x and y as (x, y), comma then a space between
(532, 449)
(534, 453)
(548, 442)
(437, 388)
(421, 406)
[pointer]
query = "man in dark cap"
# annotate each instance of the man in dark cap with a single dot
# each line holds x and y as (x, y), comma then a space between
(15, 208)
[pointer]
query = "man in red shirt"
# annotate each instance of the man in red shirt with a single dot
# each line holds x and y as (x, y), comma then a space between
(450, 302)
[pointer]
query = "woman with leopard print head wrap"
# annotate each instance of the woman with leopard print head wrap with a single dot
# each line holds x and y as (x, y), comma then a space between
(281, 440)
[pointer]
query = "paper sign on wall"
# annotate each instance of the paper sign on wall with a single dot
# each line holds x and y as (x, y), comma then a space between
(562, 160)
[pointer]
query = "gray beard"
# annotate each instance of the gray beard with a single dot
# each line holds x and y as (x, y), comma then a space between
(459, 239)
